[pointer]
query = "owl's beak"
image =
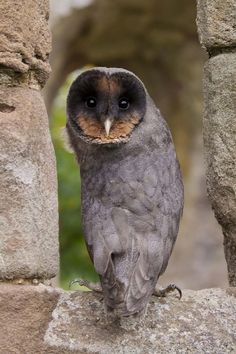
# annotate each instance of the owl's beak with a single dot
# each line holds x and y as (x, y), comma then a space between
(107, 124)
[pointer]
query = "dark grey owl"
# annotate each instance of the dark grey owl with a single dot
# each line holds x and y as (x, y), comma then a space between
(132, 190)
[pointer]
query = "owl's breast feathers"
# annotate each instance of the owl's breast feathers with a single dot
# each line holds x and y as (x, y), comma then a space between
(131, 207)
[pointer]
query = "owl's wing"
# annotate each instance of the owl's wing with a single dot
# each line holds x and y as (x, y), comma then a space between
(131, 226)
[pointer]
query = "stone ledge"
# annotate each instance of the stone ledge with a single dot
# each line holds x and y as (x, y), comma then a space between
(25, 312)
(216, 22)
(42, 319)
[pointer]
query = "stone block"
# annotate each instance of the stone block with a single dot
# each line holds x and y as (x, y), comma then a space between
(202, 322)
(43, 320)
(25, 312)
(28, 188)
(25, 40)
(220, 147)
(216, 21)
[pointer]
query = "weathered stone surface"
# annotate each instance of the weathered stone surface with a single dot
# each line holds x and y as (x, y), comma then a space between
(203, 321)
(41, 319)
(217, 23)
(25, 40)
(25, 312)
(28, 188)
(220, 148)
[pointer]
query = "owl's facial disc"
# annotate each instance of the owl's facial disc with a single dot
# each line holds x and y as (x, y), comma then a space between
(106, 108)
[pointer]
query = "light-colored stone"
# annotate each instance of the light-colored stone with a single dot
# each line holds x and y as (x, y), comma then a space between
(25, 40)
(28, 188)
(216, 21)
(44, 320)
(220, 148)
(202, 322)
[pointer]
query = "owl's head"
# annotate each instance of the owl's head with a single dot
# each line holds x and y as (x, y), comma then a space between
(105, 105)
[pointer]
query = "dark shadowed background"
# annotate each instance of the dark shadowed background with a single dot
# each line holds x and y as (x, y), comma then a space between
(158, 41)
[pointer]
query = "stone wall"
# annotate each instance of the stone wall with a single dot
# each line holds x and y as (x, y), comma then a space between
(28, 188)
(217, 31)
(42, 319)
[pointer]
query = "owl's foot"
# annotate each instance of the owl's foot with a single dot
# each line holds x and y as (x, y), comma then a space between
(163, 292)
(91, 286)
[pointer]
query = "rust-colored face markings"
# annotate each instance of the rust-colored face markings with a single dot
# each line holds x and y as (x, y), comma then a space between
(103, 84)
(120, 129)
(114, 87)
(108, 86)
(109, 92)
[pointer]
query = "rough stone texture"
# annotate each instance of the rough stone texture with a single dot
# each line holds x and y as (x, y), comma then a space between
(202, 322)
(41, 319)
(217, 23)
(28, 189)
(217, 31)
(220, 148)
(25, 40)
(25, 312)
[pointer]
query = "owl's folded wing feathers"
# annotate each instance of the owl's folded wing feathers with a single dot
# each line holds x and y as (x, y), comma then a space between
(133, 242)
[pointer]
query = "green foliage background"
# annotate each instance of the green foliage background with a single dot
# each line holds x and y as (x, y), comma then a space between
(74, 259)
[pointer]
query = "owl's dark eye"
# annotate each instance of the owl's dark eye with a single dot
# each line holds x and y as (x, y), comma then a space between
(124, 103)
(91, 102)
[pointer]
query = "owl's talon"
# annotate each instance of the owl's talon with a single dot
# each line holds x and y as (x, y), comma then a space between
(75, 281)
(91, 286)
(168, 289)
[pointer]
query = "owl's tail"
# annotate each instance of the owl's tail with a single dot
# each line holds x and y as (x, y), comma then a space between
(125, 287)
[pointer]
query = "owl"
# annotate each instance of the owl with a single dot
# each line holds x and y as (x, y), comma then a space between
(131, 184)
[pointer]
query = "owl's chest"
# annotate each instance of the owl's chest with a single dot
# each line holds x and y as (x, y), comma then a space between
(109, 180)
(98, 176)
(146, 185)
